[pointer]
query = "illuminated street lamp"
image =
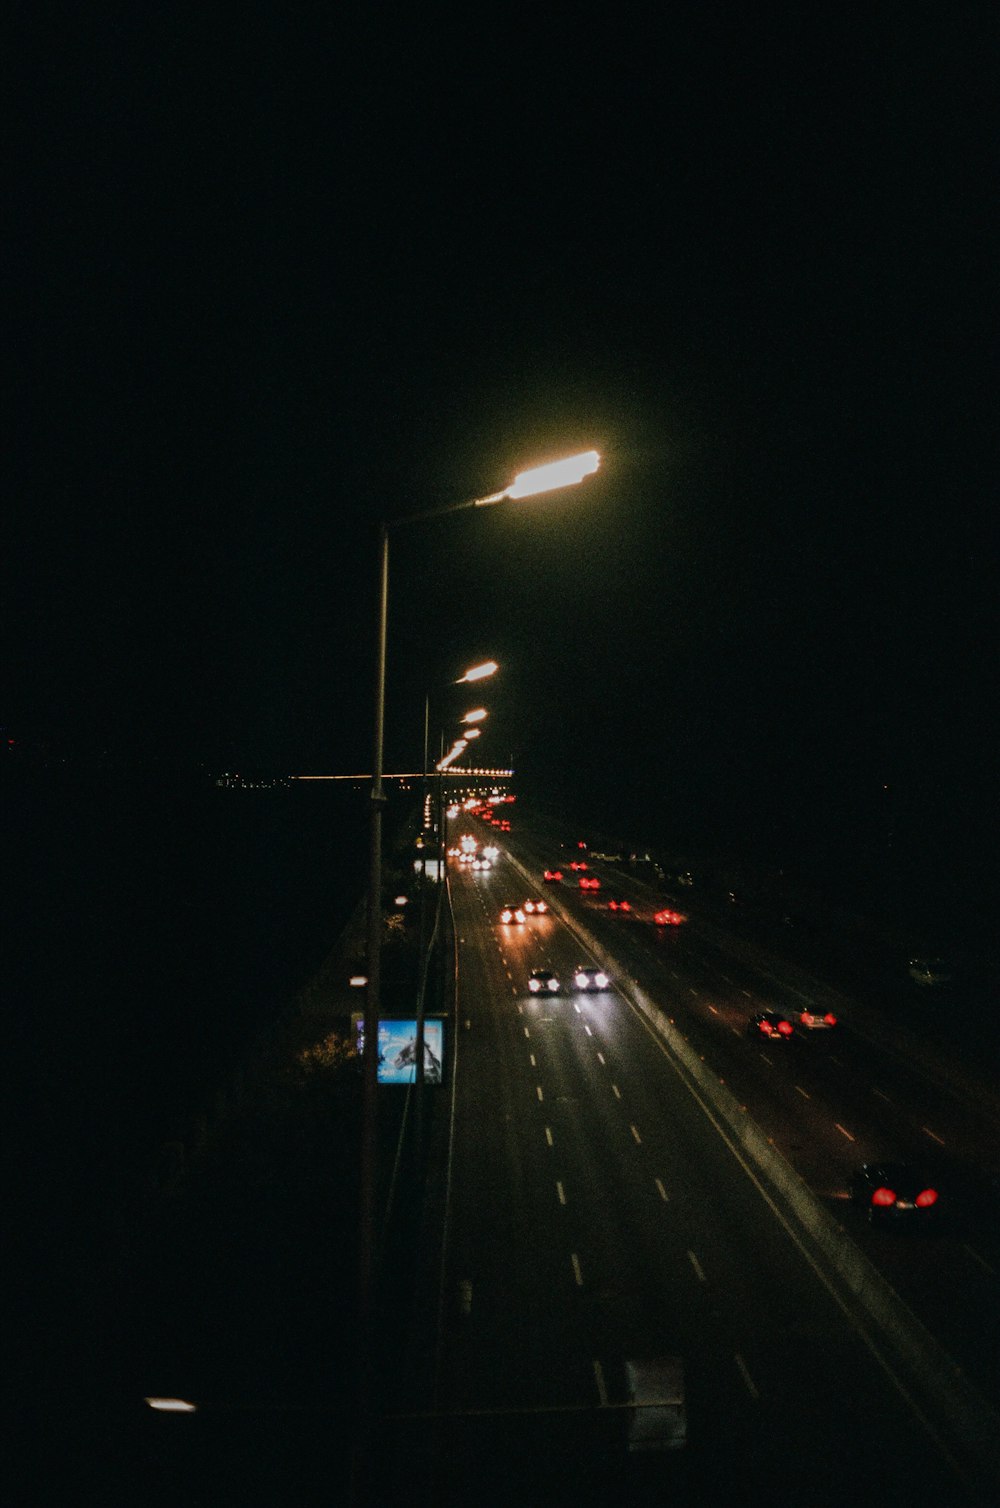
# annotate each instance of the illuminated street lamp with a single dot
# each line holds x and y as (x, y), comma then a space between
(478, 672)
(547, 478)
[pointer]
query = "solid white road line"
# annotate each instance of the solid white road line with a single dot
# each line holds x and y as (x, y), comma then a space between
(750, 1384)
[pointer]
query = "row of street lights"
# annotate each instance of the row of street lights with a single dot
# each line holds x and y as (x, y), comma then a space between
(547, 478)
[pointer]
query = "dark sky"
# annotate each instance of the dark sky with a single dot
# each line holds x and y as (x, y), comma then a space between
(278, 272)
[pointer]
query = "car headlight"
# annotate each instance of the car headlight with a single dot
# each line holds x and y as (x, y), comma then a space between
(602, 981)
(581, 980)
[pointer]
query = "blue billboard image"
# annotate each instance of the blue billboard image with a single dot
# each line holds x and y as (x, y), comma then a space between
(397, 1050)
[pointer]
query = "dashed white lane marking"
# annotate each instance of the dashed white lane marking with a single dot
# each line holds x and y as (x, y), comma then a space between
(587, 1029)
(843, 1132)
(747, 994)
(576, 1269)
(881, 1095)
(674, 974)
(933, 1135)
(713, 1010)
(751, 1386)
(538, 1091)
(576, 1007)
(661, 1190)
(767, 1060)
(692, 991)
(977, 1258)
(616, 1091)
(635, 1133)
(526, 1032)
(548, 1136)
(801, 1091)
(531, 1055)
(725, 978)
(465, 1296)
(602, 1392)
(600, 1057)
(697, 1266)
(834, 1059)
(561, 1192)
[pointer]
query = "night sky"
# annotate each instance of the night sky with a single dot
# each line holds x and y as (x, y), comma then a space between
(276, 273)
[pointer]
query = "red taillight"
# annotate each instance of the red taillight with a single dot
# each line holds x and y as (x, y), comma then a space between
(830, 1019)
(785, 1028)
(925, 1199)
(883, 1197)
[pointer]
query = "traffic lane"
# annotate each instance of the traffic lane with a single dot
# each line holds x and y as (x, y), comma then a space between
(619, 1243)
(505, 1264)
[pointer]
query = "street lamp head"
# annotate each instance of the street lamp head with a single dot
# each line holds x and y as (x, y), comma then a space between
(479, 672)
(556, 474)
(476, 716)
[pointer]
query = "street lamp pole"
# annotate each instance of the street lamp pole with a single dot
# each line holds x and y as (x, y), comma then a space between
(546, 478)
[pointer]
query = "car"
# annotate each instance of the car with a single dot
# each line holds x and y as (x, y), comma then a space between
(771, 1024)
(669, 918)
(589, 882)
(930, 973)
(895, 1192)
(815, 1021)
(511, 914)
(618, 903)
(504, 825)
(552, 876)
(589, 977)
(535, 906)
(658, 1409)
(543, 982)
(576, 864)
(482, 861)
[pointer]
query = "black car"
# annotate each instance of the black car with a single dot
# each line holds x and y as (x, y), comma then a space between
(771, 1024)
(894, 1192)
(587, 977)
(543, 982)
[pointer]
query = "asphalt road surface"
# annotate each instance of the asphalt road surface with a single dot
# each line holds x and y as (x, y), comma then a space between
(596, 1214)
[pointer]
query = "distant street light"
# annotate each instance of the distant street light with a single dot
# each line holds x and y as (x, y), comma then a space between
(547, 478)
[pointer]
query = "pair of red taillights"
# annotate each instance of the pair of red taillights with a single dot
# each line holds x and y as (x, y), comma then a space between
(884, 1198)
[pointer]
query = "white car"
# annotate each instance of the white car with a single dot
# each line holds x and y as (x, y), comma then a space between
(511, 915)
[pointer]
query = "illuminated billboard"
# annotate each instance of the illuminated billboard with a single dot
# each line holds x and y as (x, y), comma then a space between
(397, 1049)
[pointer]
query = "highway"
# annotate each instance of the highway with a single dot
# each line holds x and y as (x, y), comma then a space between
(597, 1211)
